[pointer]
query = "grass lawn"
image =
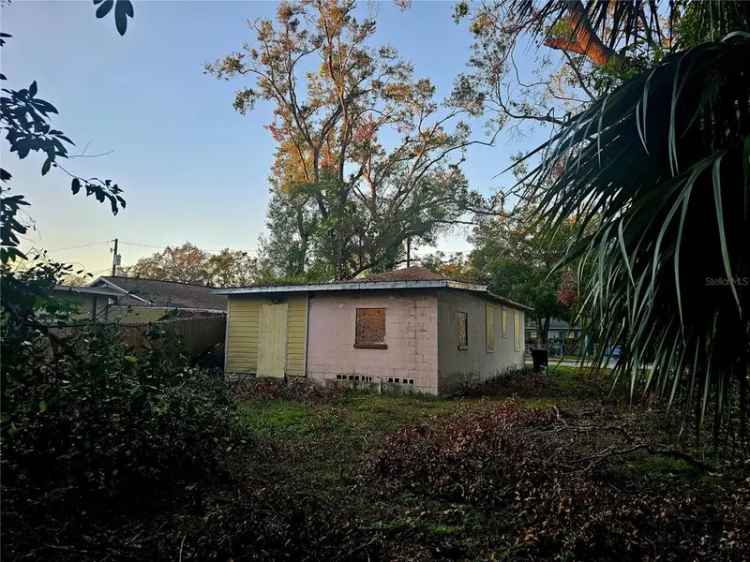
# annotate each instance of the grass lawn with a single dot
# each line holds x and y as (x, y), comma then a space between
(320, 447)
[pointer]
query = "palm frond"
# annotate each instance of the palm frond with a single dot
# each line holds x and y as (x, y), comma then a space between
(661, 165)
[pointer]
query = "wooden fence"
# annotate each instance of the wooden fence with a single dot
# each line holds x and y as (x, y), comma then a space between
(197, 334)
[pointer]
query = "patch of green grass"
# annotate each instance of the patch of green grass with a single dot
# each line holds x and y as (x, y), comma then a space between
(276, 418)
(385, 413)
(658, 467)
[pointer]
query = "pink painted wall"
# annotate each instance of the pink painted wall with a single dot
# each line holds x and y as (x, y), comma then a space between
(410, 333)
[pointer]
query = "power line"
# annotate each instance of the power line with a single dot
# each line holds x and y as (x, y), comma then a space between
(80, 246)
(142, 245)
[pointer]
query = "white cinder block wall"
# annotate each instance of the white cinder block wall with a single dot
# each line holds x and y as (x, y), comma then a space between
(410, 334)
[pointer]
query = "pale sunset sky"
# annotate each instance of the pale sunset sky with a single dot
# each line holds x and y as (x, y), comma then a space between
(193, 169)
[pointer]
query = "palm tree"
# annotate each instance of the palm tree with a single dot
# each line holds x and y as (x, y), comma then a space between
(662, 163)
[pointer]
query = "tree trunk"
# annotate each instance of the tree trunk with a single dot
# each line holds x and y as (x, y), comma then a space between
(542, 330)
(583, 40)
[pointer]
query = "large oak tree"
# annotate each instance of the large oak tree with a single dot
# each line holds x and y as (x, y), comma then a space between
(367, 158)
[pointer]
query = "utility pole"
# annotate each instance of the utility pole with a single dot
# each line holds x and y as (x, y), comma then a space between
(115, 258)
(408, 251)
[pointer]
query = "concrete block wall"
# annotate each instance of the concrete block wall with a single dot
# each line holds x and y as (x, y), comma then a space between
(411, 334)
(475, 363)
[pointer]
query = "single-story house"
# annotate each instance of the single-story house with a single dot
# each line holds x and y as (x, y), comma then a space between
(410, 329)
(562, 338)
(91, 303)
(134, 300)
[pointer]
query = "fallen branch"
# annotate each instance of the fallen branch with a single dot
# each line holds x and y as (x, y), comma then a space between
(182, 544)
(610, 452)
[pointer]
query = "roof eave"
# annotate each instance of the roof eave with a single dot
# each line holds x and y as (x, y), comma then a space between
(326, 287)
(369, 286)
(86, 290)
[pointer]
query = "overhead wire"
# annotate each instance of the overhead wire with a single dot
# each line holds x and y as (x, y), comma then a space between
(88, 245)
(142, 245)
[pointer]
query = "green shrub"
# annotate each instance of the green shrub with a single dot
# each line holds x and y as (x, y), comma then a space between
(91, 431)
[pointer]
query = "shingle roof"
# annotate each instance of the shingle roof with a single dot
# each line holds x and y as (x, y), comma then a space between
(164, 293)
(415, 273)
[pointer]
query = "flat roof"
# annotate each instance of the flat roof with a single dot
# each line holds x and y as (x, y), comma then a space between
(364, 285)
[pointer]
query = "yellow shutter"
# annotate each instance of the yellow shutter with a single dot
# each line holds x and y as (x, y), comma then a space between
(272, 340)
(242, 335)
(297, 333)
(504, 321)
(518, 330)
(489, 326)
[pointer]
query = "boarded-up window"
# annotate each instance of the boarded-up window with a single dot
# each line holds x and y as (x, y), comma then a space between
(504, 321)
(462, 329)
(489, 327)
(370, 330)
(518, 317)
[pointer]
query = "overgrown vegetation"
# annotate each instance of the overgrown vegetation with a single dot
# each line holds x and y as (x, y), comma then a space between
(89, 428)
(525, 467)
(107, 454)
(680, 118)
(558, 490)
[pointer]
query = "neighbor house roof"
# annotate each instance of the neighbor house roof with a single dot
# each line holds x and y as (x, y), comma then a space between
(408, 278)
(171, 294)
(554, 324)
(89, 291)
(415, 273)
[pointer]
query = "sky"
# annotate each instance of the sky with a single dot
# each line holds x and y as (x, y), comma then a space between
(147, 116)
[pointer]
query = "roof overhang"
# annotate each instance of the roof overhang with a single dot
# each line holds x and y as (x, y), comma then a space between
(92, 291)
(369, 286)
(121, 292)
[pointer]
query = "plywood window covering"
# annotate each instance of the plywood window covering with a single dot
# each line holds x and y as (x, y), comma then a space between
(504, 322)
(518, 330)
(489, 327)
(370, 329)
(462, 329)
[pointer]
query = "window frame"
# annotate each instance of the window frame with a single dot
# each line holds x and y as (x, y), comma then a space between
(462, 346)
(504, 322)
(369, 345)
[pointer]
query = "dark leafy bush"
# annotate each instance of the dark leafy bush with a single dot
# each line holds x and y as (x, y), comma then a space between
(561, 498)
(91, 431)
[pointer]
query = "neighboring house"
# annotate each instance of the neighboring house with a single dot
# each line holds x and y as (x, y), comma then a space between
(92, 303)
(562, 338)
(408, 328)
(134, 300)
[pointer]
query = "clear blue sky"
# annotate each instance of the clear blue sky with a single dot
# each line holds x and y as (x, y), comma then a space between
(193, 169)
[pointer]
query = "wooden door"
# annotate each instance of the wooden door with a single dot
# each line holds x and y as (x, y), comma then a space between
(272, 340)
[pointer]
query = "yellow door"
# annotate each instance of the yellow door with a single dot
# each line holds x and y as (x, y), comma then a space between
(272, 340)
